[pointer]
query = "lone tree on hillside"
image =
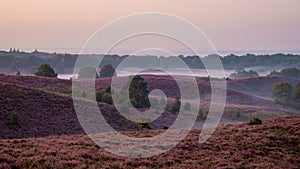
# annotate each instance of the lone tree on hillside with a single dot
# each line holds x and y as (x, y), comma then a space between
(45, 70)
(107, 71)
(138, 92)
(87, 72)
(282, 92)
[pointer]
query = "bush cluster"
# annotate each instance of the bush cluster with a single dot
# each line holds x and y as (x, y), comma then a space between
(104, 96)
(255, 121)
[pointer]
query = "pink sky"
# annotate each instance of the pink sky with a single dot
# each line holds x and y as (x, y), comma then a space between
(65, 25)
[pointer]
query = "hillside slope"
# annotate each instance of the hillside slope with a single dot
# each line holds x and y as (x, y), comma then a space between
(44, 106)
(260, 86)
(42, 114)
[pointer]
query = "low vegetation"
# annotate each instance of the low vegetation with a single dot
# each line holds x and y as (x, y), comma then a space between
(144, 123)
(104, 96)
(274, 144)
(255, 121)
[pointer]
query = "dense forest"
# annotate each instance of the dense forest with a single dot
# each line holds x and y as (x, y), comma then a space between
(27, 62)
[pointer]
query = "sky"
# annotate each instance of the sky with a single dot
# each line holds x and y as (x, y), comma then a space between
(231, 25)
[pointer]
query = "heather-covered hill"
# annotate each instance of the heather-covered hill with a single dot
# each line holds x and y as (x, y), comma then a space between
(260, 86)
(236, 92)
(251, 91)
(41, 114)
(44, 106)
(274, 144)
(36, 82)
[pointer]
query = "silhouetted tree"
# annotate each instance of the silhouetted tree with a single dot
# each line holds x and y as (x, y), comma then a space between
(138, 92)
(45, 70)
(107, 71)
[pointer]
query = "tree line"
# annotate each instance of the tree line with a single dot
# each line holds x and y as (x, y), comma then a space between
(16, 60)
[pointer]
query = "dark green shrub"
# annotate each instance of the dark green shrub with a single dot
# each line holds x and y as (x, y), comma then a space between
(107, 71)
(104, 96)
(255, 121)
(14, 118)
(45, 70)
(144, 123)
(107, 98)
(98, 96)
(138, 92)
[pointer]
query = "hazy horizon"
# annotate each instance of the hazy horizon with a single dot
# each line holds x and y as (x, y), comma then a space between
(219, 52)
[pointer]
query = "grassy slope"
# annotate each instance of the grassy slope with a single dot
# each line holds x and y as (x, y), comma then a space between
(275, 144)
